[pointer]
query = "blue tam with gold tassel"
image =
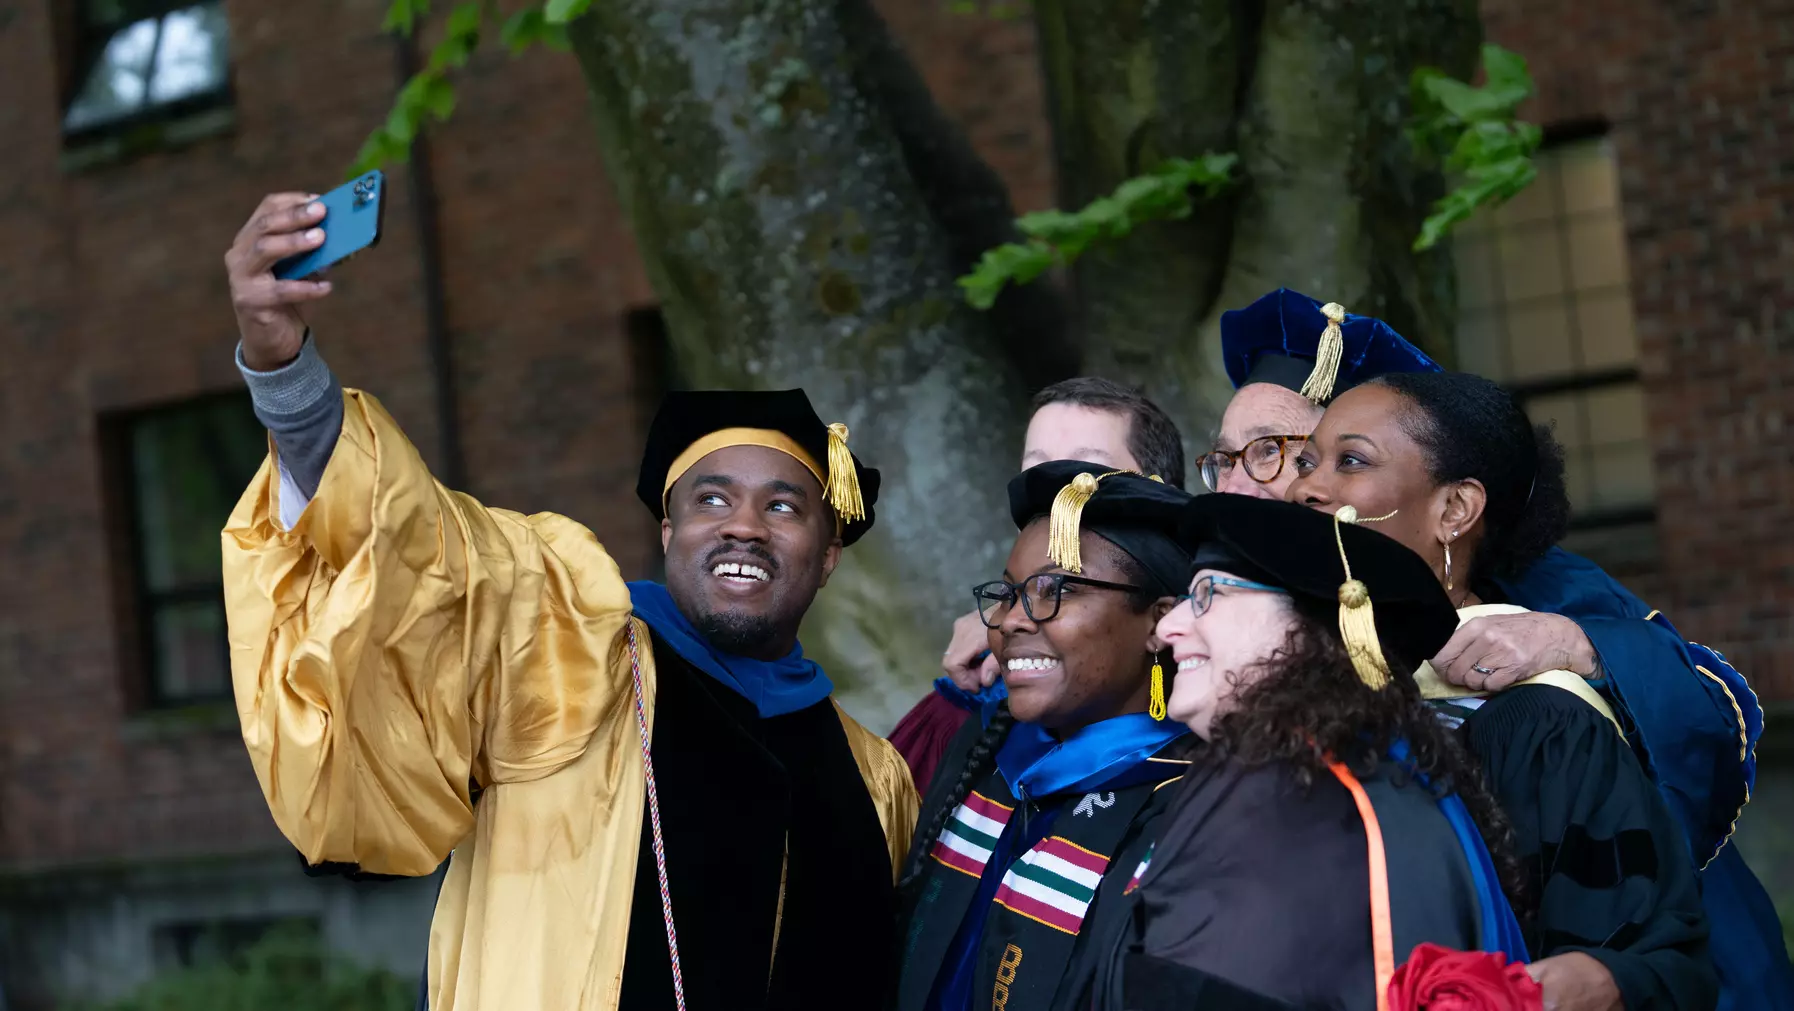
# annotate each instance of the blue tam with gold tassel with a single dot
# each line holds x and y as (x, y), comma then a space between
(1320, 351)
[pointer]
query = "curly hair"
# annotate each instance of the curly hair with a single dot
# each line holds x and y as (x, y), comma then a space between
(1308, 707)
(1469, 427)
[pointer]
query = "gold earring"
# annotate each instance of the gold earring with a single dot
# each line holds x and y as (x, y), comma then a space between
(1157, 706)
(1447, 564)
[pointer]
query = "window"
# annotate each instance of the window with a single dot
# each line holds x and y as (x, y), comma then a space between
(176, 473)
(138, 60)
(1546, 310)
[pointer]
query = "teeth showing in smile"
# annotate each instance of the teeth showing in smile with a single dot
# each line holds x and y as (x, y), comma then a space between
(744, 573)
(1191, 664)
(1032, 663)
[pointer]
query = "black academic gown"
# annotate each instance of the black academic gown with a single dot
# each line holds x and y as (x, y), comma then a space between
(735, 791)
(1258, 895)
(1026, 962)
(1605, 859)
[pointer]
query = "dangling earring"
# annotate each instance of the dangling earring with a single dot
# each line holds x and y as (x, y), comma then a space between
(1157, 706)
(1447, 544)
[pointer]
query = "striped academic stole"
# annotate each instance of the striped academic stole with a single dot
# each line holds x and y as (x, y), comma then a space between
(1033, 926)
(971, 833)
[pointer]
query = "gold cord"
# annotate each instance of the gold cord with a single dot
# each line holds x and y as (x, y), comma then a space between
(843, 479)
(1327, 356)
(1357, 621)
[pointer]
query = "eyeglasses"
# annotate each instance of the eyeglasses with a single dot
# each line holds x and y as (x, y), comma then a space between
(1263, 459)
(1040, 596)
(1202, 591)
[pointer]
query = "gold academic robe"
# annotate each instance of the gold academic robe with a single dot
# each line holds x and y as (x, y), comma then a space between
(402, 641)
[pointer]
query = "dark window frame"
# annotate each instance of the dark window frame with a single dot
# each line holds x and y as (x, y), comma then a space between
(1580, 380)
(135, 603)
(89, 39)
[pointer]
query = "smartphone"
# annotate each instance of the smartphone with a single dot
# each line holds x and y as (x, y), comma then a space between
(352, 216)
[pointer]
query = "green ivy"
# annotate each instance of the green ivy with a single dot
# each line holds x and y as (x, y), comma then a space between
(289, 969)
(430, 94)
(1472, 133)
(1060, 237)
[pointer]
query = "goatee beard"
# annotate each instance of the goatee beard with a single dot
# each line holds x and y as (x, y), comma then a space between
(740, 634)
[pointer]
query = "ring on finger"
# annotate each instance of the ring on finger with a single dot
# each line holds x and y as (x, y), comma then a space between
(1480, 669)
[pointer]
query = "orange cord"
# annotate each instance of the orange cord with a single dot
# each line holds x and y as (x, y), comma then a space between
(1382, 934)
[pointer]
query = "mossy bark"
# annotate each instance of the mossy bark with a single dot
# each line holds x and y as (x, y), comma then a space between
(1312, 95)
(803, 211)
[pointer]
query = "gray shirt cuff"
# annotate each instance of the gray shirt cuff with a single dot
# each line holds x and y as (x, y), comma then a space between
(289, 396)
(302, 404)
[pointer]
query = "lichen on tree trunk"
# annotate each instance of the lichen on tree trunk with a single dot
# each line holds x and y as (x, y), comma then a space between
(1313, 98)
(803, 214)
(803, 210)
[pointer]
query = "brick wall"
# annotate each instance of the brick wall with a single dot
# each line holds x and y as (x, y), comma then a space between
(112, 297)
(1698, 98)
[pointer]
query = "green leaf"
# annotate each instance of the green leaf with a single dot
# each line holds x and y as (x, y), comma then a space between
(559, 12)
(1472, 132)
(1019, 262)
(1060, 237)
(523, 29)
(402, 16)
(439, 98)
(401, 123)
(464, 20)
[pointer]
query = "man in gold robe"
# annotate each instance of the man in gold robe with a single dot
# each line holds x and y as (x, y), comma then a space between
(651, 798)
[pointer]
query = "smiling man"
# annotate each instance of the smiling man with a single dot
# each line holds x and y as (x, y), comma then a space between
(631, 778)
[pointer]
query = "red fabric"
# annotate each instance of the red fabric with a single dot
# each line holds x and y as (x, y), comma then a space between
(1440, 979)
(923, 734)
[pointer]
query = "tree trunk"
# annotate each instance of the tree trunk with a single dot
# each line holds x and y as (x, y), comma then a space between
(803, 211)
(1330, 196)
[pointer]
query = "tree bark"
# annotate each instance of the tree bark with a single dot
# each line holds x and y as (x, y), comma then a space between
(1330, 195)
(803, 211)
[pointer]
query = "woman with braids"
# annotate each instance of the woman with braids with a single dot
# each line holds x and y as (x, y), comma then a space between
(1047, 800)
(1470, 486)
(1332, 823)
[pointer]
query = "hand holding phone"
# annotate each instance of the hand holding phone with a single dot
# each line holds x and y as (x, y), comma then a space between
(285, 230)
(353, 214)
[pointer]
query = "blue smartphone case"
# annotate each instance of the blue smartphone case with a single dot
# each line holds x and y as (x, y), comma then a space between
(352, 217)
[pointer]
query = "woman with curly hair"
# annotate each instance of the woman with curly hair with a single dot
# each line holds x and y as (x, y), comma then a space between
(1472, 488)
(1331, 823)
(1046, 801)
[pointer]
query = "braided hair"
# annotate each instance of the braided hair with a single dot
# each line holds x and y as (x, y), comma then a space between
(984, 752)
(977, 766)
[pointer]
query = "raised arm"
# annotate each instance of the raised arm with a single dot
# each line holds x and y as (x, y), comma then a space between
(392, 640)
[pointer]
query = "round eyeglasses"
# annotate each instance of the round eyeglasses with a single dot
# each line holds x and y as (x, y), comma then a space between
(1263, 459)
(1202, 591)
(1040, 596)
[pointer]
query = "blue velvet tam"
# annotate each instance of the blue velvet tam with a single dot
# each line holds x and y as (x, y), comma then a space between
(1320, 351)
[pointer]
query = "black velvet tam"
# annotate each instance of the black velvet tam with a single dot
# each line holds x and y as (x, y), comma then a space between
(1293, 547)
(1136, 514)
(686, 417)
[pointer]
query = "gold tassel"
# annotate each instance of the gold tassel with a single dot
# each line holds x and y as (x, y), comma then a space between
(1067, 513)
(1319, 387)
(843, 479)
(1357, 622)
(1157, 706)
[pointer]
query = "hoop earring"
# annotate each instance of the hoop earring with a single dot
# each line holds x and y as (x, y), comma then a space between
(1447, 565)
(1156, 707)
